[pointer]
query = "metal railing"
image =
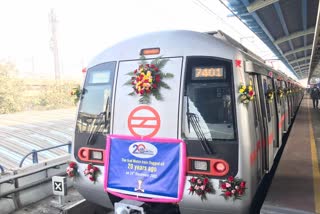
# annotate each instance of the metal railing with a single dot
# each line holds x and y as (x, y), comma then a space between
(34, 152)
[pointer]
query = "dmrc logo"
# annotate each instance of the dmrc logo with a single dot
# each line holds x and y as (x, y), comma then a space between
(143, 150)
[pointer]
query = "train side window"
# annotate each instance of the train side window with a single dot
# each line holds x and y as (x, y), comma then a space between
(265, 88)
(255, 115)
(280, 86)
(271, 102)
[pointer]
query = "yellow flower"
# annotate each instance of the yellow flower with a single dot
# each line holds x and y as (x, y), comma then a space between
(250, 87)
(241, 90)
(148, 73)
(244, 87)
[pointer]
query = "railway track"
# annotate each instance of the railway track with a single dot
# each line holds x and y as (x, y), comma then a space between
(22, 132)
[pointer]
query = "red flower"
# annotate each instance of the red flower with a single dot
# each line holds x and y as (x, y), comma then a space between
(95, 169)
(91, 178)
(199, 192)
(243, 184)
(133, 83)
(205, 181)
(89, 166)
(157, 78)
(141, 92)
(231, 179)
(191, 189)
(135, 71)
(193, 180)
(72, 164)
(147, 65)
(223, 186)
(156, 69)
(251, 93)
(240, 192)
(152, 66)
(154, 85)
(228, 193)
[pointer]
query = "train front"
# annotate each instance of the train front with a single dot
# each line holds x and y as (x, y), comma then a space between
(161, 129)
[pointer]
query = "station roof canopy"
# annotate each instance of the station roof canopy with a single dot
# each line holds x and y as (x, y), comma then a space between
(290, 28)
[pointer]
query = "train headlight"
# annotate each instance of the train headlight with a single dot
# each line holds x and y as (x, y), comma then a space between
(220, 167)
(201, 165)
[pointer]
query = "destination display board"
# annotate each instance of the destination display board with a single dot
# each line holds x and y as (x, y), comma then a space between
(207, 73)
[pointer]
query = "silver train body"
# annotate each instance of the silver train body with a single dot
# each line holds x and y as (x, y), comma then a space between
(208, 70)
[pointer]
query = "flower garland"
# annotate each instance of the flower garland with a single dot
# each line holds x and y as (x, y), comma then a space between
(288, 91)
(280, 92)
(72, 169)
(246, 93)
(269, 94)
(201, 186)
(92, 171)
(232, 188)
(76, 92)
(147, 80)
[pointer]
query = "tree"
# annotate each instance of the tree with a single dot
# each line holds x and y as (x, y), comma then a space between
(11, 89)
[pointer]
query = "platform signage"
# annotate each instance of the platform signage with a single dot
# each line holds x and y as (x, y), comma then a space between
(152, 168)
(59, 185)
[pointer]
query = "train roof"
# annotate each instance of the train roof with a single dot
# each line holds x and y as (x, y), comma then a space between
(183, 43)
(171, 43)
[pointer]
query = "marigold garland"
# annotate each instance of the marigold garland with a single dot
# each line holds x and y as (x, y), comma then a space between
(201, 186)
(92, 172)
(288, 91)
(76, 92)
(232, 188)
(280, 92)
(246, 93)
(72, 169)
(270, 94)
(147, 79)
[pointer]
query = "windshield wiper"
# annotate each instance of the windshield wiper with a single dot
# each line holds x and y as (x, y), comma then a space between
(194, 120)
(98, 120)
(95, 126)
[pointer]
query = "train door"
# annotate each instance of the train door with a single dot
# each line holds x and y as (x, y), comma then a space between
(268, 119)
(258, 128)
(278, 112)
(285, 107)
(155, 117)
(289, 102)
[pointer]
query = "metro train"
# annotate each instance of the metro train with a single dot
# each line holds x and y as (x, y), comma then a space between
(180, 122)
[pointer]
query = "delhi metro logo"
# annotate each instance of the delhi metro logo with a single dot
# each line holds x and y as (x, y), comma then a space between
(144, 121)
(143, 150)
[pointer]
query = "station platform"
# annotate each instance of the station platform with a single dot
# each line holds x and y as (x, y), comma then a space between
(295, 187)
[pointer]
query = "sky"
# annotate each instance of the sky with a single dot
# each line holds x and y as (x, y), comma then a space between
(85, 28)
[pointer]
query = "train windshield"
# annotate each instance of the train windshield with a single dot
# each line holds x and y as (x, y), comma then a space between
(208, 111)
(95, 101)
